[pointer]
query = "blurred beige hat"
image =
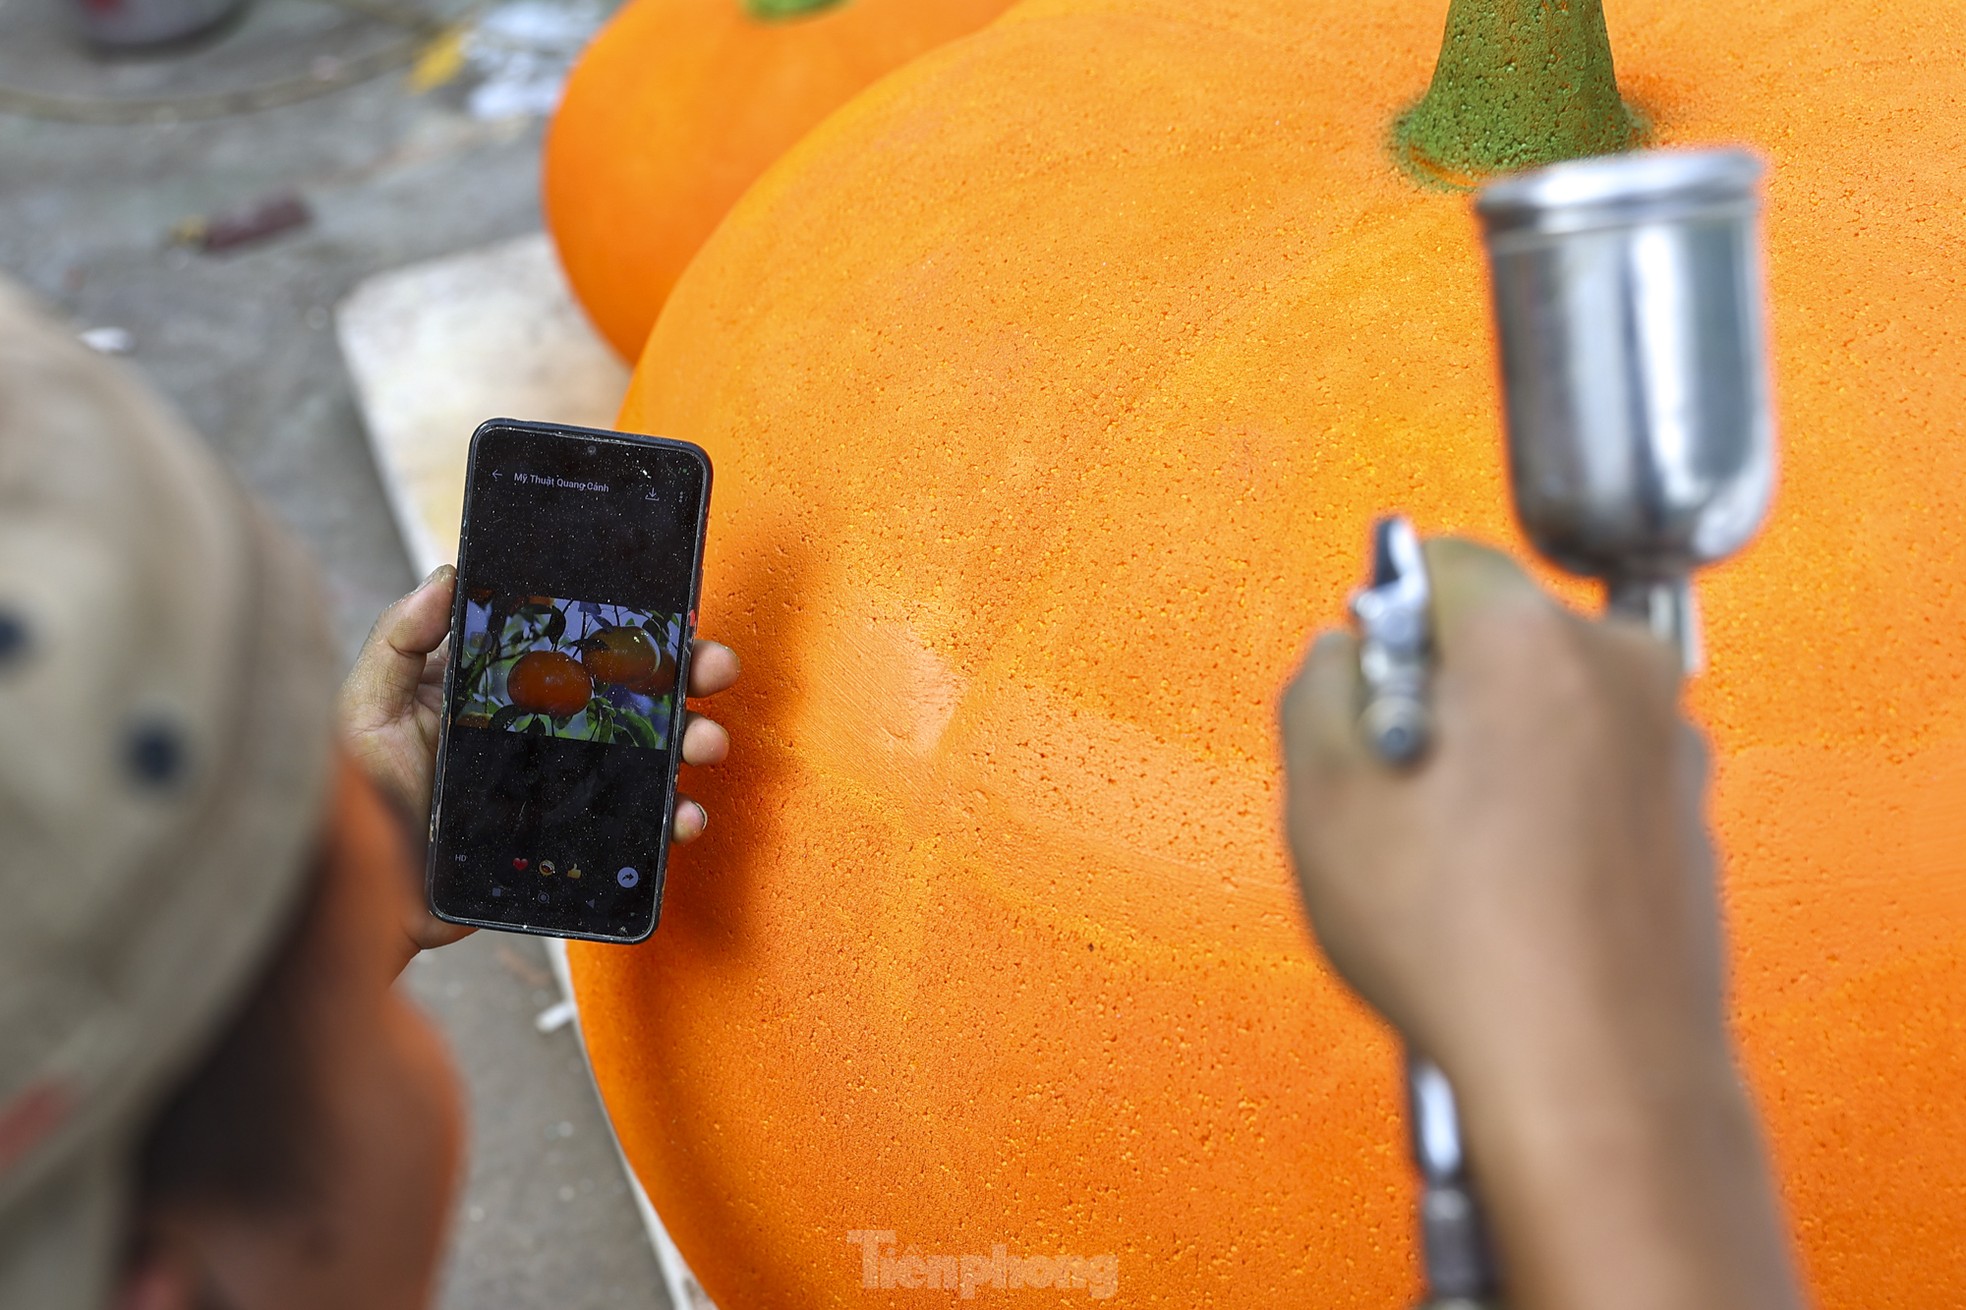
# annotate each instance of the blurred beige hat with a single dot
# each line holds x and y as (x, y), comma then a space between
(165, 689)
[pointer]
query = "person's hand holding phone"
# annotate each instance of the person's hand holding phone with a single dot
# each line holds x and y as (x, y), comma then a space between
(391, 708)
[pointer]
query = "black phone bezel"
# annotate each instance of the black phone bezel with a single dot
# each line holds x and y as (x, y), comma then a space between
(684, 658)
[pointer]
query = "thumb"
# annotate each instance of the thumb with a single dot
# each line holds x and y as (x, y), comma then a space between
(1468, 579)
(387, 671)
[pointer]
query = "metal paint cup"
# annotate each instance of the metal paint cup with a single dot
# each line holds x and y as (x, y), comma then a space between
(1628, 294)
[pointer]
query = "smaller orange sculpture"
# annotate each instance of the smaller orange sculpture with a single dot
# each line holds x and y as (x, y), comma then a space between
(680, 104)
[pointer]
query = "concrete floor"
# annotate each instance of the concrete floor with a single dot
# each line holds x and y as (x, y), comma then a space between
(243, 344)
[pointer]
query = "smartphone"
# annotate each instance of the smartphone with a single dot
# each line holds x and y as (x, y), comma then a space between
(578, 570)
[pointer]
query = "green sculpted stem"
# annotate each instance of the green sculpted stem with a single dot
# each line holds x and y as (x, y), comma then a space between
(771, 10)
(1519, 83)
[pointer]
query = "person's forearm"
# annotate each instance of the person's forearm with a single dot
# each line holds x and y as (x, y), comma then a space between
(1628, 1180)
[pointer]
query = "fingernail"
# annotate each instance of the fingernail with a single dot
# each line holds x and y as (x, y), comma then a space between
(436, 575)
(702, 817)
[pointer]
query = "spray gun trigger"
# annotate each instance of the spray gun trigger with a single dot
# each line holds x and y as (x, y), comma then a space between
(1395, 645)
(1384, 570)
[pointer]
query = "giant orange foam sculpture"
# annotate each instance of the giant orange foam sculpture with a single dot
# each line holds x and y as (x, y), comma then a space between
(1052, 385)
(678, 105)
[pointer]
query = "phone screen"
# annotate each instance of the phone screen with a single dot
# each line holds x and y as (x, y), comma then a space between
(577, 578)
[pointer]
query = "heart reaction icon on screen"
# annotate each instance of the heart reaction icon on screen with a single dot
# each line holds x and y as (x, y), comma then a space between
(520, 864)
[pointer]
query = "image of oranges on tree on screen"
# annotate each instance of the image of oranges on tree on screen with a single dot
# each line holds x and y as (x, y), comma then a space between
(576, 669)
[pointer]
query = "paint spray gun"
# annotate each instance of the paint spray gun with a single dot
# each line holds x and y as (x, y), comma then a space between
(1628, 298)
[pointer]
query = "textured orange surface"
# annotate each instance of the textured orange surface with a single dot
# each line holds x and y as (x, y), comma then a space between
(1051, 386)
(678, 105)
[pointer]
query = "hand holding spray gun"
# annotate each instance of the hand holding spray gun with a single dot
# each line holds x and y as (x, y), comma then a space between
(1628, 297)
